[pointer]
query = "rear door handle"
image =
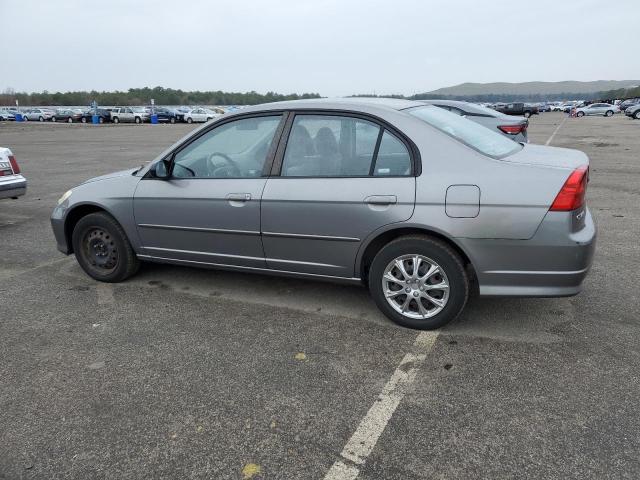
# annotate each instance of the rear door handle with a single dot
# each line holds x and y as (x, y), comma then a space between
(381, 200)
(239, 197)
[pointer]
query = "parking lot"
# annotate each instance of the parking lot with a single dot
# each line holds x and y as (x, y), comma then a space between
(185, 373)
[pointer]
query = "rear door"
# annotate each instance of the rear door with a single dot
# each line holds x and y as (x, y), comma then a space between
(337, 179)
(208, 212)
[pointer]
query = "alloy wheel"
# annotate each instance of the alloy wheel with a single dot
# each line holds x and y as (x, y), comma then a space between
(415, 286)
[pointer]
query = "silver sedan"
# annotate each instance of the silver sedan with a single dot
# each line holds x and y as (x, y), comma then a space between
(512, 127)
(417, 203)
(605, 109)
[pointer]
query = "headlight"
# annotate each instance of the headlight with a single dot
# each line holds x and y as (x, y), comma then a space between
(66, 195)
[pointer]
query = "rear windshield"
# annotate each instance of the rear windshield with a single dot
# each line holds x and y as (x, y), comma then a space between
(487, 142)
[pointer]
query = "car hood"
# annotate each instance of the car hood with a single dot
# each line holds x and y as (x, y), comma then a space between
(121, 173)
(549, 157)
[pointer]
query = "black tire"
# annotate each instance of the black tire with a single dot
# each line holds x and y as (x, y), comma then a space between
(527, 114)
(637, 115)
(70, 120)
(440, 253)
(116, 120)
(116, 261)
(189, 120)
(83, 119)
(53, 119)
(609, 113)
(580, 114)
(100, 120)
(172, 120)
(24, 118)
(41, 119)
(138, 120)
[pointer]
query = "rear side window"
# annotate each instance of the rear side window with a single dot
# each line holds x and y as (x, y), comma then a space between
(470, 133)
(342, 146)
(393, 157)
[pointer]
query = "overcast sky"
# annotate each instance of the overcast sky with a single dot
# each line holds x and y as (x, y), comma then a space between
(333, 47)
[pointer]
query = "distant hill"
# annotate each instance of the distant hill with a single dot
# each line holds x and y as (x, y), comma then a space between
(532, 88)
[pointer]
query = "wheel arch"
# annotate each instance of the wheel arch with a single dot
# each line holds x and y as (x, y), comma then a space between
(372, 245)
(75, 214)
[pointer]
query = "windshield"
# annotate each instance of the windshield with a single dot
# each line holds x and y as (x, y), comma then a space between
(466, 131)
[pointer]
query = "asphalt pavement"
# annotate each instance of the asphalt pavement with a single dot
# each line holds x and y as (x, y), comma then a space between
(186, 373)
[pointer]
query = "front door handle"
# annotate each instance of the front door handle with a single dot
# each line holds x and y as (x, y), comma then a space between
(239, 197)
(381, 200)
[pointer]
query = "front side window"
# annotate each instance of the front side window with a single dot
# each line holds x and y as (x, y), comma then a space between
(470, 133)
(235, 149)
(335, 146)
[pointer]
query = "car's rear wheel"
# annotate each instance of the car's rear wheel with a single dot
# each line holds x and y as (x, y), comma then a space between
(100, 120)
(609, 113)
(102, 248)
(69, 120)
(419, 282)
(41, 119)
(116, 120)
(53, 119)
(189, 120)
(172, 120)
(138, 120)
(527, 114)
(83, 119)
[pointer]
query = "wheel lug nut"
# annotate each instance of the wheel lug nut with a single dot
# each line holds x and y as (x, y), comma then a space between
(407, 289)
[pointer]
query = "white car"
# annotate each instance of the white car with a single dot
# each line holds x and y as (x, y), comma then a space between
(12, 183)
(200, 115)
(40, 114)
(605, 109)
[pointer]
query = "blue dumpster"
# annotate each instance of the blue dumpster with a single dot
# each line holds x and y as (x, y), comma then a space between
(95, 119)
(154, 119)
(19, 117)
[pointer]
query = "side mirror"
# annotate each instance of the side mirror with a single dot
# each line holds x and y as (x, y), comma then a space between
(162, 170)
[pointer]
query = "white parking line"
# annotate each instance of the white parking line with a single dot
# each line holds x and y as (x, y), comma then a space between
(556, 130)
(364, 439)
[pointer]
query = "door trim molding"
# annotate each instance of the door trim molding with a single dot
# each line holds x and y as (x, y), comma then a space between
(305, 236)
(199, 229)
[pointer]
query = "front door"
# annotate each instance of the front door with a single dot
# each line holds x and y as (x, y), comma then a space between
(341, 178)
(208, 212)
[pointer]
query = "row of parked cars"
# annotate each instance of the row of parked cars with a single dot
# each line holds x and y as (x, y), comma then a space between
(114, 115)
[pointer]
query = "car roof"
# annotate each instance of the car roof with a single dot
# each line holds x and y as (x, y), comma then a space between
(365, 104)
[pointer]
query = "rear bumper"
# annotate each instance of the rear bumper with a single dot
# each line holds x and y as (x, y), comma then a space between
(13, 186)
(553, 263)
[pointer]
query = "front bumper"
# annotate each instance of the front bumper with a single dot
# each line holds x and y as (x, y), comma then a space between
(553, 263)
(13, 186)
(57, 225)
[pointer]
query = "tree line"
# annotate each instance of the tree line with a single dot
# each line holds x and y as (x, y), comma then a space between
(143, 96)
(170, 96)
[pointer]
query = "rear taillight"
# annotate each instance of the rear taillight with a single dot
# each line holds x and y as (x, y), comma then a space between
(14, 164)
(513, 129)
(571, 195)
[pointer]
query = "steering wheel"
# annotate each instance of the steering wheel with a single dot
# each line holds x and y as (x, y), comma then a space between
(230, 169)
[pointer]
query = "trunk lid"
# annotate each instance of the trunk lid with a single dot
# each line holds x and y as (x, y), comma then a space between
(555, 157)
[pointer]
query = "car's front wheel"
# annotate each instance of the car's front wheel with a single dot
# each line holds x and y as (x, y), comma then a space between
(189, 120)
(41, 119)
(580, 114)
(102, 248)
(138, 120)
(419, 282)
(172, 120)
(116, 120)
(637, 115)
